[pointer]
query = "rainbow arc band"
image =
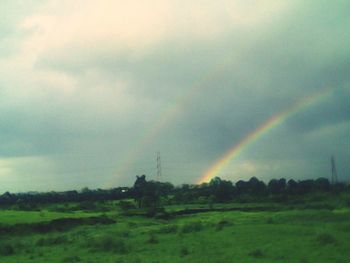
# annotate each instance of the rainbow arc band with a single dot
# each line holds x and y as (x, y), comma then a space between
(262, 130)
(167, 116)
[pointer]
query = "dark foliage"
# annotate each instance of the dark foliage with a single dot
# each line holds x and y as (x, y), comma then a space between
(257, 253)
(61, 224)
(52, 241)
(184, 251)
(152, 239)
(326, 239)
(190, 227)
(223, 223)
(6, 249)
(108, 243)
(30, 201)
(71, 259)
(153, 195)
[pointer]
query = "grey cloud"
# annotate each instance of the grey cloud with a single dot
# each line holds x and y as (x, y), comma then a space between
(244, 80)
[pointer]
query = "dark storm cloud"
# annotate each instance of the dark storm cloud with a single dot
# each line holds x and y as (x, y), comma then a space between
(82, 99)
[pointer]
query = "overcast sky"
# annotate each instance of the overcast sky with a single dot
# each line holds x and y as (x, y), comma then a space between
(90, 90)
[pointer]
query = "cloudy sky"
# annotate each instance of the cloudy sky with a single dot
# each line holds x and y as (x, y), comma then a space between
(90, 90)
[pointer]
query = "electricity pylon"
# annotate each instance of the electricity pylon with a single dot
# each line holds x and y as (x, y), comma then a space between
(334, 171)
(159, 167)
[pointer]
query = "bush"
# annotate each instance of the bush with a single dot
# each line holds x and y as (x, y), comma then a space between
(108, 244)
(168, 229)
(270, 220)
(326, 239)
(59, 224)
(192, 227)
(162, 214)
(151, 211)
(71, 259)
(124, 233)
(257, 253)
(126, 205)
(132, 224)
(51, 241)
(152, 239)
(223, 223)
(184, 252)
(319, 206)
(6, 249)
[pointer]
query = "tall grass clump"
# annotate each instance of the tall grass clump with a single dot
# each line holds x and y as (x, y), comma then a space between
(223, 223)
(168, 229)
(108, 243)
(6, 249)
(52, 241)
(257, 253)
(71, 259)
(152, 239)
(190, 227)
(184, 251)
(326, 239)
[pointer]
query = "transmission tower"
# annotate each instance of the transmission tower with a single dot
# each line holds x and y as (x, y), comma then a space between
(159, 167)
(334, 171)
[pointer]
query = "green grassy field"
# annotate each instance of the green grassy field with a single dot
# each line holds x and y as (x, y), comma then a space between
(300, 236)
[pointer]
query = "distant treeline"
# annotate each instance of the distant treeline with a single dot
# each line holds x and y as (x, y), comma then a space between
(152, 193)
(27, 200)
(218, 190)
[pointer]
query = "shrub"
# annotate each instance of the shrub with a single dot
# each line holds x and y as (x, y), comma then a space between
(151, 211)
(162, 214)
(124, 233)
(71, 259)
(51, 241)
(109, 244)
(86, 206)
(184, 252)
(152, 239)
(168, 229)
(223, 223)
(319, 206)
(257, 253)
(6, 249)
(192, 227)
(326, 239)
(270, 220)
(126, 205)
(132, 224)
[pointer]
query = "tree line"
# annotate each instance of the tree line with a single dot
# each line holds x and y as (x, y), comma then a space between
(154, 193)
(148, 193)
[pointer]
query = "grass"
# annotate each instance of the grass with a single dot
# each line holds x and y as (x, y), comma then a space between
(296, 236)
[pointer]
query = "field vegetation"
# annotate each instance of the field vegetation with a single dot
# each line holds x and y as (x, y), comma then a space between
(155, 222)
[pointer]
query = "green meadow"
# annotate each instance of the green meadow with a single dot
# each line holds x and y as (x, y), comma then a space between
(280, 234)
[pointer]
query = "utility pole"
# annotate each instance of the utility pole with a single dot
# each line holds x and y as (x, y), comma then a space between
(159, 167)
(334, 171)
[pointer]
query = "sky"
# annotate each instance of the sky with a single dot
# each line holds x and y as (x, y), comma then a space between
(91, 90)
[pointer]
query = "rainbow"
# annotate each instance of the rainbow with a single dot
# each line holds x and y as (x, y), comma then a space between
(260, 131)
(165, 119)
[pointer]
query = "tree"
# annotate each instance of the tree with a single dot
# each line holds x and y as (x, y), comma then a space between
(292, 187)
(221, 189)
(242, 187)
(139, 189)
(322, 184)
(305, 186)
(256, 187)
(148, 193)
(277, 186)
